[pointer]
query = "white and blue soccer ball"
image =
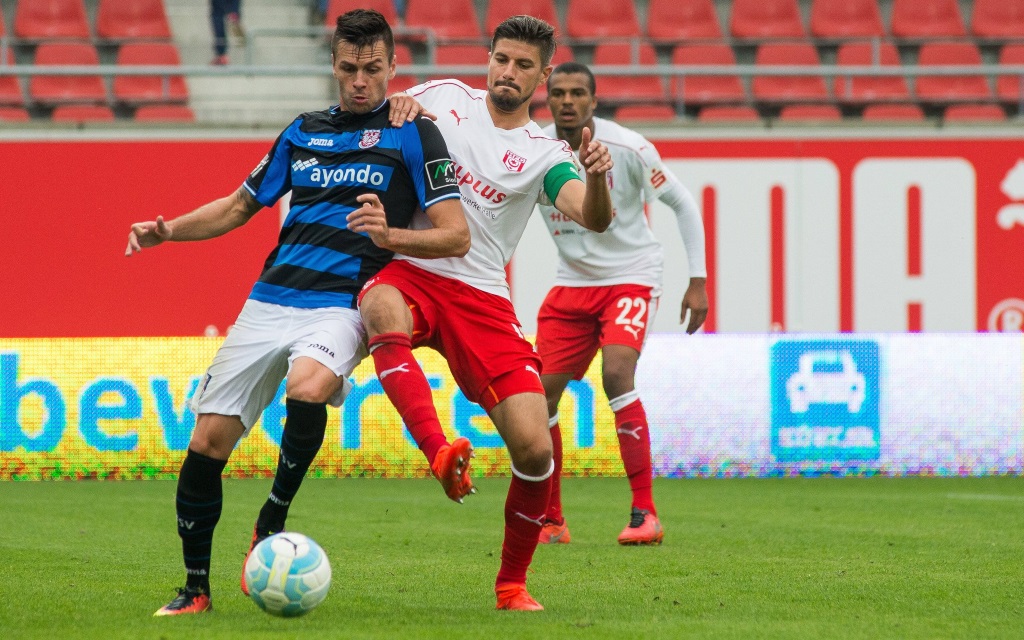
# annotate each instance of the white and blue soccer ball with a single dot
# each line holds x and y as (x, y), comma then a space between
(287, 574)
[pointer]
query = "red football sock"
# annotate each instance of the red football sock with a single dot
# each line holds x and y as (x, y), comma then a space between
(635, 447)
(555, 502)
(524, 513)
(407, 388)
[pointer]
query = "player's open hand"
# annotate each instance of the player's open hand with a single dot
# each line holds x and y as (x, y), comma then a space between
(594, 155)
(370, 219)
(404, 108)
(695, 300)
(147, 234)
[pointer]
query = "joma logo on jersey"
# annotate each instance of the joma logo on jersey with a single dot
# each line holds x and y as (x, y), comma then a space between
(352, 175)
(486, 191)
(513, 161)
(321, 142)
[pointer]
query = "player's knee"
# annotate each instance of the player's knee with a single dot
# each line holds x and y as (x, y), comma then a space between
(215, 436)
(383, 310)
(313, 390)
(534, 458)
(617, 381)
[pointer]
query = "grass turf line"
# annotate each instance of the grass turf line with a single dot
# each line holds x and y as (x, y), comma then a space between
(798, 558)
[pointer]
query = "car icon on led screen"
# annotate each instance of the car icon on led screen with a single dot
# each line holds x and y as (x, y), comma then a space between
(826, 377)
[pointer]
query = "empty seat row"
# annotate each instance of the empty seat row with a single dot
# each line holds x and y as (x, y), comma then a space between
(102, 113)
(813, 113)
(115, 20)
(679, 20)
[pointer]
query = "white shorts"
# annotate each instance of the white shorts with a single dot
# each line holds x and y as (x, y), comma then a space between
(260, 348)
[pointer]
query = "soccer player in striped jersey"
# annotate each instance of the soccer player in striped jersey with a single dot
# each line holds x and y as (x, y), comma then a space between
(460, 306)
(606, 292)
(356, 183)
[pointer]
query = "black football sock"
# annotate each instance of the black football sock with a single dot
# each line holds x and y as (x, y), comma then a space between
(303, 436)
(199, 501)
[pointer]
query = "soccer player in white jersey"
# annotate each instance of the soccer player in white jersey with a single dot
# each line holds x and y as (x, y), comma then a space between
(607, 289)
(504, 165)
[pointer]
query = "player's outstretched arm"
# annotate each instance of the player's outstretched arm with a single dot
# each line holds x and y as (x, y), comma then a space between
(208, 221)
(589, 205)
(449, 236)
(404, 108)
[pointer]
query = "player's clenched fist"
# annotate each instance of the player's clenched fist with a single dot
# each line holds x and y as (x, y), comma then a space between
(594, 154)
(147, 234)
(370, 219)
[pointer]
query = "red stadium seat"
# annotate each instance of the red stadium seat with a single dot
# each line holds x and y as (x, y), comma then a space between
(974, 113)
(132, 20)
(926, 19)
(628, 88)
(402, 80)
(562, 54)
(766, 19)
(1011, 88)
(337, 7)
(678, 20)
(136, 89)
(595, 19)
(83, 113)
(497, 11)
(61, 89)
(788, 88)
(706, 89)
(462, 54)
(869, 88)
(998, 19)
(13, 114)
(42, 19)
(951, 88)
(728, 114)
(846, 18)
(450, 20)
(164, 113)
(645, 112)
(10, 86)
(809, 112)
(3, 29)
(902, 112)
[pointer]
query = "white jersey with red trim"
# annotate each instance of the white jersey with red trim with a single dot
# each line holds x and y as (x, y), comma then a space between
(500, 174)
(627, 252)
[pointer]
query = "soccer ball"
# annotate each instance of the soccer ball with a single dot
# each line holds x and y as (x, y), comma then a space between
(287, 574)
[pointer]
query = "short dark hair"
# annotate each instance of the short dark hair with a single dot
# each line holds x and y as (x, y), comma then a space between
(530, 30)
(363, 28)
(575, 67)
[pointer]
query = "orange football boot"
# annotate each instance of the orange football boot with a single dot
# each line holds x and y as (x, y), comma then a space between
(451, 468)
(554, 533)
(513, 596)
(643, 528)
(188, 600)
(256, 539)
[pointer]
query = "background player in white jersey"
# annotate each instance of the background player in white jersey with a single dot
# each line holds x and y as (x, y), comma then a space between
(504, 165)
(607, 289)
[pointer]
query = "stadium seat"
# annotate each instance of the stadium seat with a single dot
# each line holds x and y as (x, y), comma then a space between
(678, 20)
(998, 19)
(402, 79)
(846, 18)
(951, 88)
(901, 112)
(596, 19)
(10, 86)
(563, 53)
(3, 28)
(628, 88)
(645, 112)
(132, 20)
(136, 89)
(497, 11)
(462, 54)
(810, 112)
(974, 113)
(1011, 88)
(926, 19)
(450, 20)
(13, 114)
(83, 113)
(337, 7)
(766, 19)
(853, 89)
(728, 114)
(788, 88)
(706, 89)
(164, 113)
(62, 89)
(50, 19)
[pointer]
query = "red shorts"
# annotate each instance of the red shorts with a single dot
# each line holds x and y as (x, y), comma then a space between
(477, 332)
(574, 322)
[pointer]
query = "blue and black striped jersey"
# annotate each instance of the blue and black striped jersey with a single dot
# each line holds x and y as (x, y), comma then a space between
(326, 159)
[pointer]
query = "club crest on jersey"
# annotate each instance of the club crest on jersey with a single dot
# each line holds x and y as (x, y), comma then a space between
(514, 162)
(370, 138)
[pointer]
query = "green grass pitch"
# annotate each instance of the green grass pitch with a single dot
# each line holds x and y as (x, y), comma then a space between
(794, 558)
